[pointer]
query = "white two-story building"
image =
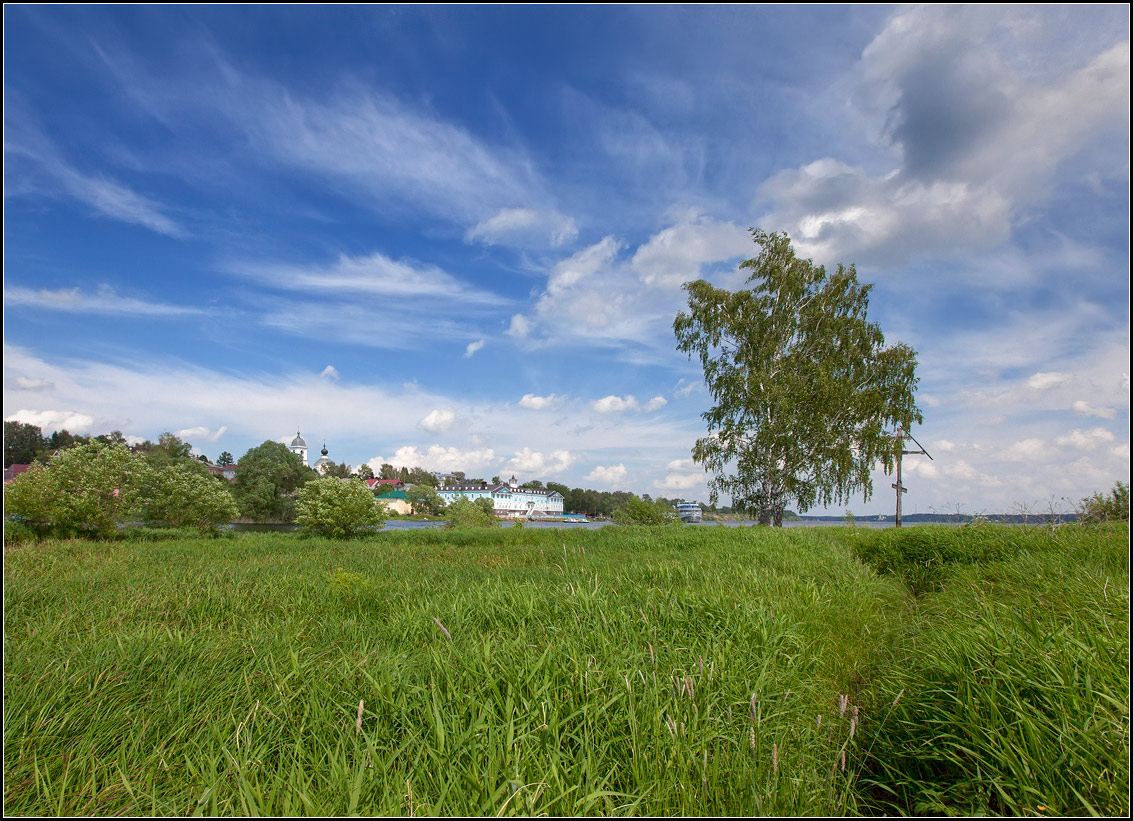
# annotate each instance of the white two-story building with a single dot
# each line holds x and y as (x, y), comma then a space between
(509, 499)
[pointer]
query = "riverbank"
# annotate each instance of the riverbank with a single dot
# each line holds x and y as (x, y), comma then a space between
(664, 671)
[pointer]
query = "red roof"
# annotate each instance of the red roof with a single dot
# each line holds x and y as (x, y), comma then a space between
(12, 472)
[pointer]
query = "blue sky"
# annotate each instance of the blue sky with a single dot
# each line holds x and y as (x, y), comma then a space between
(454, 236)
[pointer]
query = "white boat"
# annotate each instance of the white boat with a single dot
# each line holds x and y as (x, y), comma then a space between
(689, 511)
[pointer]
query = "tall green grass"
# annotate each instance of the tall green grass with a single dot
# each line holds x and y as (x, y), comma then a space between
(1013, 670)
(629, 671)
(644, 671)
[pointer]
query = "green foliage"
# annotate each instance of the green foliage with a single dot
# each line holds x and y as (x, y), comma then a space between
(337, 508)
(87, 488)
(180, 496)
(225, 459)
(425, 499)
(22, 443)
(267, 479)
(1101, 508)
(465, 513)
(804, 387)
(339, 470)
(637, 511)
(365, 472)
(486, 505)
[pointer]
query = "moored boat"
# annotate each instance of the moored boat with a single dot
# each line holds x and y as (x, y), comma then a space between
(689, 511)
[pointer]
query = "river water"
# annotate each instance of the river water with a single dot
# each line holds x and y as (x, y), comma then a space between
(414, 524)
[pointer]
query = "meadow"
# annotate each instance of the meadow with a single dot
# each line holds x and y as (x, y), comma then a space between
(622, 671)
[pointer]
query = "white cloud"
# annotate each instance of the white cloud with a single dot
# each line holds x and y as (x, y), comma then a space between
(438, 420)
(532, 463)
(533, 402)
(33, 384)
(104, 301)
(472, 348)
(1043, 381)
(676, 254)
(375, 274)
(202, 432)
(330, 372)
(594, 298)
(53, 420)
(656, 403)
(28, 149)
(519, 327)
(680, 481)
(607, 476)
(614, 404)
(441, 459)
(1086, 439)
(1086, 409)
(525, 228)
(980, 118)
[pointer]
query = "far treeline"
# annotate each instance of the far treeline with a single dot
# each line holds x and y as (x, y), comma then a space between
(162, 482)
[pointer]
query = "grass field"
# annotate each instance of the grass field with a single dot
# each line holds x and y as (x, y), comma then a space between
(646, 671)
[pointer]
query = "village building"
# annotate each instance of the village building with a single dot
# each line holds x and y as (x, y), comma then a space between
(509, 499)
(322, 464)
(224, 471)
(299, 448)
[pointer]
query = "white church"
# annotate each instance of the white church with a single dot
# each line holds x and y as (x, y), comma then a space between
(299, 447)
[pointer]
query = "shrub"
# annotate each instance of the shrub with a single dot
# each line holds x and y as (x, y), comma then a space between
(338, 508)
(182, 497)
(1099, 508)
(637, 511)
(88, 487)
(465, 513)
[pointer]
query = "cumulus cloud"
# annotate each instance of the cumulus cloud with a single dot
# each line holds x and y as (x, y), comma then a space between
(607, 476)
(201, 432)
(1086, 409)
(533, 402)
(50, 421)
(679, 481)
(980, 120)
(440, 459)
(533, 463)
(524, 228)
(438, 420)
(472, 348)
(330, 372)
(620, 404)
(519, 327)
(614, 404)
(1086, 439)
(598, 297)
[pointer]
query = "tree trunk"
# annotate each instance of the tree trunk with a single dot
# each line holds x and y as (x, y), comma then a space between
(778, 516)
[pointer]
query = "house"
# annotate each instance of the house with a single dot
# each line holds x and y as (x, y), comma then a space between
(508, 499)
(224, 471)
(396, 502)
(12, 472)
(375, 484)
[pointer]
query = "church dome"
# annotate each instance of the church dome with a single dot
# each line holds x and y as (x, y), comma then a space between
(298, 442)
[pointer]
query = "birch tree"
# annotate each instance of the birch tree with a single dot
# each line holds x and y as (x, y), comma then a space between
(804, 387)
